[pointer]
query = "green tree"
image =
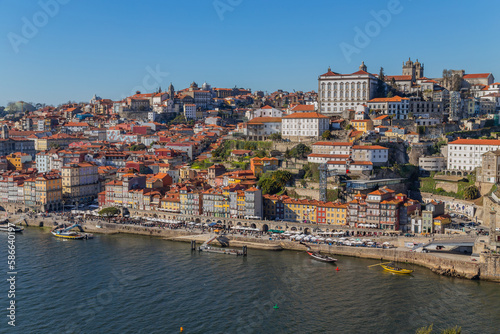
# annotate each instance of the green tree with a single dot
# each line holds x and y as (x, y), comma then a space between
(109, 212)
(390, 94)
(380, 92)
(326, 135)
(275, 137)
(287, 153)
(471, 192)
(300, 151)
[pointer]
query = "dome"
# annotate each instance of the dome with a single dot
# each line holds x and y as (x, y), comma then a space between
(409, 62)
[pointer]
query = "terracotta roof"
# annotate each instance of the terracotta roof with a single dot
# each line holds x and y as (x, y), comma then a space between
(305, 115)
(476, 75)
(388, 99)
(331, 143)
(492, 142)
(369, 147)
(260, 120)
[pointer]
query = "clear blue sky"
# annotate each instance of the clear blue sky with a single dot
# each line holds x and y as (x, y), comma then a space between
(105, 47)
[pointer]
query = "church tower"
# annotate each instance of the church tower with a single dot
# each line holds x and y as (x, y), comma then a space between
(419, 70)
(171, 91)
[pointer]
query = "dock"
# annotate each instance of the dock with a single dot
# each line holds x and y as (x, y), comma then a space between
(206, 248)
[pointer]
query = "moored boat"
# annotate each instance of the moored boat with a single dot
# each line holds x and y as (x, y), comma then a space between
(397, 270)
(68, 235)
(320, 257)
(5, 227)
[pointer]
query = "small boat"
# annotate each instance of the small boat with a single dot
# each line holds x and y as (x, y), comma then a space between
(5, 227)
(397, 270)
(68, 235)
(320, 257)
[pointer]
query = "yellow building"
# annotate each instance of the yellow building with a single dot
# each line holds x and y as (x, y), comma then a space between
(16, 161)
(49, 191)
(441, 223)
(171, 202)
(302, 211)
(363, 125)
(261, 165)
(332, 213)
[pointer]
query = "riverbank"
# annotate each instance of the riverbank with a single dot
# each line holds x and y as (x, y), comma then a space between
(458, 266)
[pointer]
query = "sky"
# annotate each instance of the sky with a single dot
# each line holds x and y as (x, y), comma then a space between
(54, 51)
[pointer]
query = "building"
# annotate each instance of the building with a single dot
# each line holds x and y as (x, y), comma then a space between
(395, 106)
(304, 125)
(266, 111)
(329, 147)
(261, 128)
(467, 154)
(419, 107)
(340, 92)
(377, 155)
(363, 125)
(190, 111)
(80, 183)
(428, 164)
(490, 167)
(479, 78)
(259, 166)
(331, 213)
(379, 209)
(49, 191)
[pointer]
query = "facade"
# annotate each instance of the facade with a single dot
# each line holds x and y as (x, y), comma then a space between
(329, 147)
(260, 128)
(363, 125)
(431, 164)
(49, 191)
(190, 111)
(467, 154)
(396, 106)
(304, 125)
(80, 183)
(378, 155)
(340, 92)
(490, 171)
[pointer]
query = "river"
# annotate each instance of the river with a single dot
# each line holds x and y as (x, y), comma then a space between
(137, 284)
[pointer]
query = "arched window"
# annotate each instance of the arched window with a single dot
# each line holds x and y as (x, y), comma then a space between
(329, 86)
(364, 85)
(359, 85)
(341, 85)
(329, 94)
(335, 86)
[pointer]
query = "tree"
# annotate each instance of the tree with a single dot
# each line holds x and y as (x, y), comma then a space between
(109, 212)
(390, 94)
(287, 153)
(471, 192)
(326, 135)
(275, 137)
(300, 151)
(380, 92)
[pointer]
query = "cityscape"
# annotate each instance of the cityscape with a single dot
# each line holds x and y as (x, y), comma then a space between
(362, 177)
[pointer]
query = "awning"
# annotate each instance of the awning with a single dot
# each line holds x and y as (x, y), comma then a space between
(212, 224)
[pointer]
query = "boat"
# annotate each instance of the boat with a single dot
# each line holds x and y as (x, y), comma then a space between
(66, 233)
(5, 227)
(320, 257)
(223, 241)
(397, 270)
(205, 247)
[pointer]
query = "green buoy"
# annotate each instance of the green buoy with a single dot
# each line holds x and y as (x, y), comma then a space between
(276, 307)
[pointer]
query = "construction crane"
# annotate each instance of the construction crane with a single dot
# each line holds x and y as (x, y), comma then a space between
(324, 174)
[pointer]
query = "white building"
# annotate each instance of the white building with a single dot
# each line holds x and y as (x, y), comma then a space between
(304, 125)
(266, 111)
(466, 154)
(377, 155)
(396, 105)
(260, 128)
(330, 147)
(339, 92)
(324, 158)
(190, 111)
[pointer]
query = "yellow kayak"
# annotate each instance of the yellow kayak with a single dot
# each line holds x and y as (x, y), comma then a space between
(396, 270)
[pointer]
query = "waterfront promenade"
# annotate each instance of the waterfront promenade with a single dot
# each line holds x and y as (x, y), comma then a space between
(450, 264)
